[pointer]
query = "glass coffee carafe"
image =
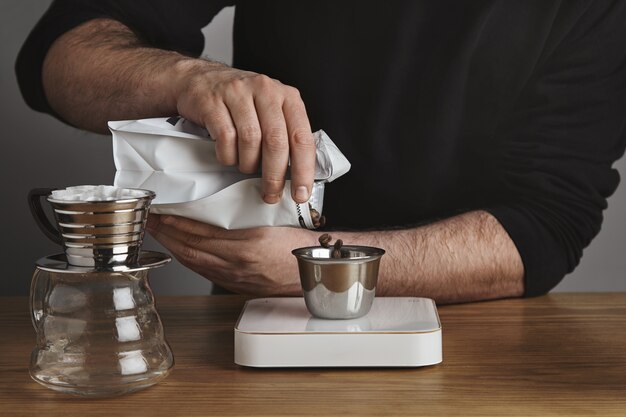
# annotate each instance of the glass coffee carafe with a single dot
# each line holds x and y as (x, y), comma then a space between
(98, 331)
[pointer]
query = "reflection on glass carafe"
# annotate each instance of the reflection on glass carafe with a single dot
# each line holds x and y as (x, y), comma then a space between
(98, 333)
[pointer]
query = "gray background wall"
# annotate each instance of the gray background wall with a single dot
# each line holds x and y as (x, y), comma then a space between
(38, 151)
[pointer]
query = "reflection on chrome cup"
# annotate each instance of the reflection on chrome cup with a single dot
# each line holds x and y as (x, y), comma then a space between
(339, 288)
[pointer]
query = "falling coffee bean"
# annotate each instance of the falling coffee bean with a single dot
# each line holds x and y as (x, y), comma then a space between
(325, 240)
(317, 219)
(337, 248)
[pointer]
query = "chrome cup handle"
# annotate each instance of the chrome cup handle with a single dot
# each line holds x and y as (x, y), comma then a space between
(34, 203)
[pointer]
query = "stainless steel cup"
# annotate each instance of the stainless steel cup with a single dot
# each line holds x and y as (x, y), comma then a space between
(95, 233)
(338, 288)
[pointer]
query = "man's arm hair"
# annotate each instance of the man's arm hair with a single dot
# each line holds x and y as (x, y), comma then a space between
(464, 258)
(100, 71)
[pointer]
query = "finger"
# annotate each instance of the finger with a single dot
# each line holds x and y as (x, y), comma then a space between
(301, 146)
(275, 146)
(219, 123)
(208, 231)
(244, 116)
(186, 250)
(202, 237)
(205, 264)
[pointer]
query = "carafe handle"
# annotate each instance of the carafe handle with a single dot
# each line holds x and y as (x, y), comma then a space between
(39, 289)
(36, 209)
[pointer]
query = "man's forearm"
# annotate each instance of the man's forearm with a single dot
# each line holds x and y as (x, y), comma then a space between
(99, 71)
(464, 258)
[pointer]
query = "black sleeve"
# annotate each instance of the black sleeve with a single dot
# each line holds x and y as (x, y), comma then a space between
(559, 144)
(173, 25)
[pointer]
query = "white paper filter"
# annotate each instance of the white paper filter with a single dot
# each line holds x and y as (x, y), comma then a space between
(176, 159)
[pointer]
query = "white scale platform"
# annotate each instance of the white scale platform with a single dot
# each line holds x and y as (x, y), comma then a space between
(280, 332)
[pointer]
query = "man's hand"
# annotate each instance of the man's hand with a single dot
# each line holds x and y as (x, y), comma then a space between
(100, 71)
(255, 121)
(251, 261)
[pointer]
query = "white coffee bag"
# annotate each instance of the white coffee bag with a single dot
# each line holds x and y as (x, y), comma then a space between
(176, 159)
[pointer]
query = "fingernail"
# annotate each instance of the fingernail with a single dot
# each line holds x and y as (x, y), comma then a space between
(271, 198)
(302, 193)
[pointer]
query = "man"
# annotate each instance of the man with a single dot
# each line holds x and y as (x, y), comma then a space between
(481, 133)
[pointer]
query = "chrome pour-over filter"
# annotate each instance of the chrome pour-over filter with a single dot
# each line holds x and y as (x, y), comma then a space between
(95, 233)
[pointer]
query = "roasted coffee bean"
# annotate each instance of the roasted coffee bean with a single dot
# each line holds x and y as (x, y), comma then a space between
(337, 248)
(322, 221)
(325, 240)
(317, 219)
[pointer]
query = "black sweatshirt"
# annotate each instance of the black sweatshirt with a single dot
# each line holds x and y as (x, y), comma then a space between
(513, 107)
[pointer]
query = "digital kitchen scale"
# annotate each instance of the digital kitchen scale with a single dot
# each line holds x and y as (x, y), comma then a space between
(280, 332)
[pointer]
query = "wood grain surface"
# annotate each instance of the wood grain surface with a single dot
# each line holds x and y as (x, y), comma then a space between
(561, 354)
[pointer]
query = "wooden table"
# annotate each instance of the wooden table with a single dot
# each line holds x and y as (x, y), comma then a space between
(562, 354)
